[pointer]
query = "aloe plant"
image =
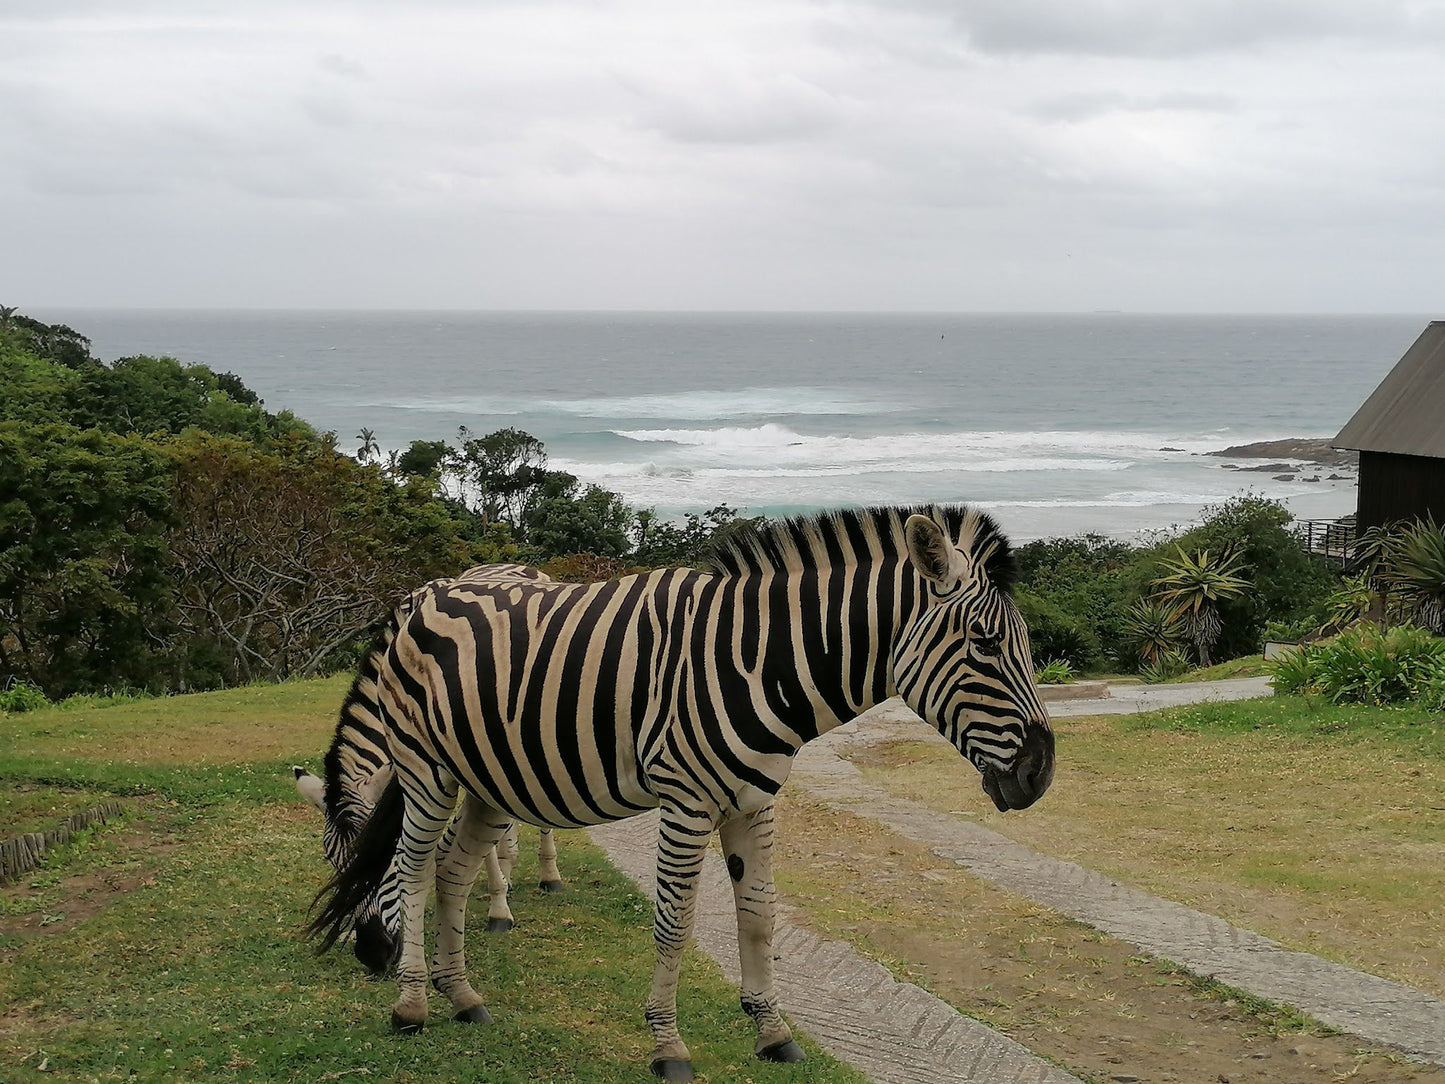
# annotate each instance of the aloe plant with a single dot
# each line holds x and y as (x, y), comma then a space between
(1193, 587)
(1414, 568)
(1153, 629)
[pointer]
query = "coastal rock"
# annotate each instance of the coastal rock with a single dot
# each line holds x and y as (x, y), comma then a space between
(1303, 449)
(1267, 467)
(1284, 477)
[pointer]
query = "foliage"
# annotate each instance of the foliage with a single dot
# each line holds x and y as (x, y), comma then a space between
(689, 543)
(561, 516)
(1056, 672)
(1289, 632)
(1055, 634)
(499, 473)
(584, 568)
(1287, 582)
(21, 696)
(1414, 570)
(1193, 585)
(1165, 667)
(83, 592)
(1364, 665)
(282, 558)
(1153, 629)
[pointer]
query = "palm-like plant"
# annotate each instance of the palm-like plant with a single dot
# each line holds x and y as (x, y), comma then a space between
(1415, 569)
(1153, 629)
(369, 449)
(1193, 587)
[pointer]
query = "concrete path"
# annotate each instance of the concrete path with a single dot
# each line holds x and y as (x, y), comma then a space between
(1130, 699)
(1373, 1008)
(893, 1032)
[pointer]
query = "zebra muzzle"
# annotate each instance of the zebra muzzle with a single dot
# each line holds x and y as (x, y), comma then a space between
(1024, 784)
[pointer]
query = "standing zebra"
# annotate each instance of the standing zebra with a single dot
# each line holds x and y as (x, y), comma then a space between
(574, 704)
(358, 768)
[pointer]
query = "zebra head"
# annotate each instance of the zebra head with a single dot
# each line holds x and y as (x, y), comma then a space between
(378, 920)
(964, 664)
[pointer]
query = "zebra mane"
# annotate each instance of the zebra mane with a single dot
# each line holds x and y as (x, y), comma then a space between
(843, 536)
(358, 733)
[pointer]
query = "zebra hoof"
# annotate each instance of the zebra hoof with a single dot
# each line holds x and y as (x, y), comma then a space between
(477, 1014)
(499, 925)
(550, 886)
(402, 1026)
(672, 1069)
(785, 1051)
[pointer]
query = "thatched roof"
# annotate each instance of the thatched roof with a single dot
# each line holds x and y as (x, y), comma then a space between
(1406, 413)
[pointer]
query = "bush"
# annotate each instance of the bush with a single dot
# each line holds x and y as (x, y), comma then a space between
(1166, 667)
(1056, 672)
(21, 697)
(1366, 666)
(1056, 635)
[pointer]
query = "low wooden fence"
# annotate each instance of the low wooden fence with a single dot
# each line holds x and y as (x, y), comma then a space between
(21, 854)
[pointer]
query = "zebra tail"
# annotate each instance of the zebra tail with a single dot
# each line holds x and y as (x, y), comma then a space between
(355, 882)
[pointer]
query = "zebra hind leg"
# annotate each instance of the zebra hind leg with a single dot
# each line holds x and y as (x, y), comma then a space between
(428, 808)
(548, 874)
(478, 828)
(499, 911)
(748, 844)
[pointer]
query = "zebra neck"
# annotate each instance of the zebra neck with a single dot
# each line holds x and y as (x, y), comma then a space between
(827, 640)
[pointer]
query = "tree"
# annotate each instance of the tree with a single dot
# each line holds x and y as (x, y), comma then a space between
(499, 472)
(83, 591)
(558, 520)
(1193, 586)
(282, 558)
(424, 459)
(369, 449)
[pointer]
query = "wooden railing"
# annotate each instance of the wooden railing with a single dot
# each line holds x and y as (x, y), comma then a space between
(1333, 538)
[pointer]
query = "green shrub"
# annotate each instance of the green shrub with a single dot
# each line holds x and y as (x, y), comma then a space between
(1171, 664)
(1056, 672)
(21, 697)
(1055, 634)
(1365, 666)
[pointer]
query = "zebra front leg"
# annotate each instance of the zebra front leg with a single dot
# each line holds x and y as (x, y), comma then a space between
(477, 830)
(548, 874)
(681, 845)
(428, 808)
(747, 841)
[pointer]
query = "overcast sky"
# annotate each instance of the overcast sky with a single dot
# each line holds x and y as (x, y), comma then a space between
(979, 155)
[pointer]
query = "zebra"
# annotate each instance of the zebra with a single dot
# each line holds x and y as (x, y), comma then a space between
(358, 767)
(575, 704)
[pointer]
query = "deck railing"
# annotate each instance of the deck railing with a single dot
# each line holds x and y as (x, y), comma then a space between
(1333, 538)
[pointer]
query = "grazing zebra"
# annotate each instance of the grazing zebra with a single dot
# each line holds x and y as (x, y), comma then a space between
(358, 767)
(574, 704)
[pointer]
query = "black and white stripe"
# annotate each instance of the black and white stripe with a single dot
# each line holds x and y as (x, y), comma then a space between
(573, 704)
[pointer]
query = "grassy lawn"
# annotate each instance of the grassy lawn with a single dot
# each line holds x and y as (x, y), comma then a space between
(1320, 826)
(172, 950)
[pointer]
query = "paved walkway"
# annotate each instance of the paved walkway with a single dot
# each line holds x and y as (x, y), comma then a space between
(897, 1033)
(1129, 699)
(1373, 1008)
(893, 1032)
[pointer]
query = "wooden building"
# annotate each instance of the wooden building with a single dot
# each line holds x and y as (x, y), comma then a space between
(1400, 435)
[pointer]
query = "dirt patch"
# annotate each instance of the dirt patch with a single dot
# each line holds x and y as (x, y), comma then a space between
(1061, 988)
(46, 902)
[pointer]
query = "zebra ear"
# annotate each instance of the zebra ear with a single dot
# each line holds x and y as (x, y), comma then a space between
(930, 549)
(311, 788)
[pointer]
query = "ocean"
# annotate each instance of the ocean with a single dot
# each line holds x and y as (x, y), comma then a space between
(1060, 424)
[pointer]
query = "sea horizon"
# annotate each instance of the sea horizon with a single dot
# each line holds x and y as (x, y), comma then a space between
(1061, 423)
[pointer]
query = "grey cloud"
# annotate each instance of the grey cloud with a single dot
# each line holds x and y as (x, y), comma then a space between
(1086, 106)
(1158, 28)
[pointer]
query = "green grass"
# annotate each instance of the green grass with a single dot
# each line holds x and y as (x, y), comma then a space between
(31, 808)
(1247, 666)
(201, 972)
